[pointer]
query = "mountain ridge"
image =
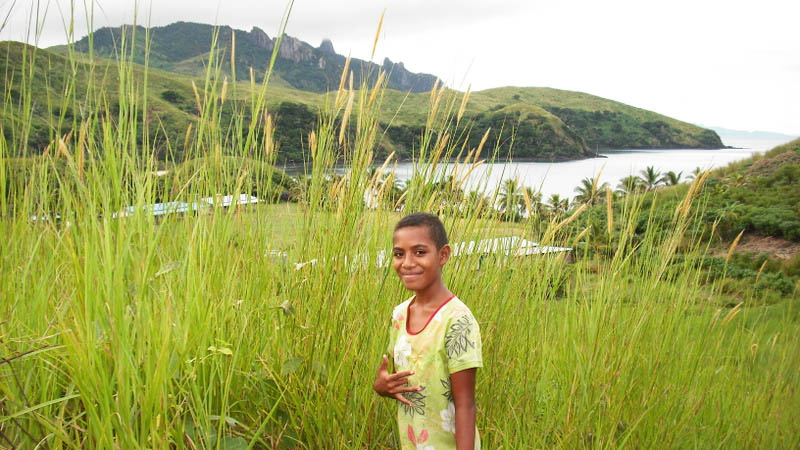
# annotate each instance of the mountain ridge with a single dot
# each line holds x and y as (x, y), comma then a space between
(185, 47)
(544, 124)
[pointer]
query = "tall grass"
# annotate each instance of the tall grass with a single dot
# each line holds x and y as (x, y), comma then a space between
(200, 331)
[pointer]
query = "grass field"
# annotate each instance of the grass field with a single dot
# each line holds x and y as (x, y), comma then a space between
(195, 331)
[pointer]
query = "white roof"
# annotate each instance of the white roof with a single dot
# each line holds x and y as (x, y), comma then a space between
(228, 200)
(159, 209)
(508, 245)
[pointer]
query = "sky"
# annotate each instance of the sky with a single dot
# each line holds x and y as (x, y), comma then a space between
(733, 64)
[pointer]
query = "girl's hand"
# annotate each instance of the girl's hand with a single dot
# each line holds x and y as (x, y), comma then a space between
(393, 384)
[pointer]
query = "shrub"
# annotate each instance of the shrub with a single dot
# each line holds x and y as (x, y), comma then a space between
(172, 96)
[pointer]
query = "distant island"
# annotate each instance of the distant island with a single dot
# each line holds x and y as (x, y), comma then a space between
(543, 123)
(741, 137)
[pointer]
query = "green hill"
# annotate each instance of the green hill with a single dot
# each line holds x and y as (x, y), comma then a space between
(760, 194)
(543, 124)
(603, 123)
(747, 215)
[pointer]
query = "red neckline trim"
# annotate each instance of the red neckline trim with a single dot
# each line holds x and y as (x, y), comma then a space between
(408, 330)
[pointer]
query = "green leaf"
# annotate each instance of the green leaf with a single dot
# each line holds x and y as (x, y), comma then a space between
(167, 268)
(287, 308)
(319, 368)
(221, 350)
(40, 405)
(228, 420)
(197, 433)
(233, 443)
(291, 365)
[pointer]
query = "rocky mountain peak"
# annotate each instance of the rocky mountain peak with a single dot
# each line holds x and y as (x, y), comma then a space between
(327, 47)
(176, 47)
(260, 38)
(294, 49)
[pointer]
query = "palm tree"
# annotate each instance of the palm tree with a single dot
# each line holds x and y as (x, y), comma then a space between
(414, 190)
(671, 178)
(475, 202)
(509, 200)
(449, 195)
(737, 179)
(650, 178)
(630, 185)
(299, 188)
(392, 187)
(728, 215)
(450, 189)
(557, 205)
(695, 173)
(371, 172)
(533, 196)
(589, 192)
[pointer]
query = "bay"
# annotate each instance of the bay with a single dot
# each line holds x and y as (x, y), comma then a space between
(613, 165)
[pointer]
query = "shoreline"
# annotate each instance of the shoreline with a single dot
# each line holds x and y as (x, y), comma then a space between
(295, 168)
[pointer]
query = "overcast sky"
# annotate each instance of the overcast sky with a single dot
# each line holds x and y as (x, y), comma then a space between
(730, 63)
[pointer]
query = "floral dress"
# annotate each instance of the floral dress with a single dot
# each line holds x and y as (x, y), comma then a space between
(448, 343)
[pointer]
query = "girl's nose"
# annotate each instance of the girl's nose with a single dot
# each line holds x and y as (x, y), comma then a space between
(408, 261)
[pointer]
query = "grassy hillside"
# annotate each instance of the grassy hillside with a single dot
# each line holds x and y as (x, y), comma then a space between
(541, 123)
(603, 123)
(753, 204)
(173, 107)
(261, 326)
(760, 194)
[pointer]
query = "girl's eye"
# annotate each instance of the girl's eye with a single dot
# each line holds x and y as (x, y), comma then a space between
(398, 254)
(420, 252)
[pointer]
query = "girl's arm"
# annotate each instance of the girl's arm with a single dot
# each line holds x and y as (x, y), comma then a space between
(462, 384)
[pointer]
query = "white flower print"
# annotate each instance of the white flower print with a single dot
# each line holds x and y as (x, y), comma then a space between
(424, 447)
(449, 418)
(402, 350)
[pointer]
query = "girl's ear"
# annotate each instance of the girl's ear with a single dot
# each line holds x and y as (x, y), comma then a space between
(444, 254)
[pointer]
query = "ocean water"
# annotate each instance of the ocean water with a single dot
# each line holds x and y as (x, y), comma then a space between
(613, 165)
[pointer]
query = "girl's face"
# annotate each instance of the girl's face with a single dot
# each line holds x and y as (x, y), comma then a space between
(416, 259)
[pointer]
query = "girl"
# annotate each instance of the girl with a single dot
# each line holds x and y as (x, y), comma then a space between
(435, 345)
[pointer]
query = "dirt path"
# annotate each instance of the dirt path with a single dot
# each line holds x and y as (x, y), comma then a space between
(779, 248)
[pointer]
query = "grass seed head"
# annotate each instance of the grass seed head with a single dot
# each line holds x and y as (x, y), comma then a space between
(377, 34)
(463, 105)
(224, 95)
(346, 116)
(378, 88)
(197, 99)
(483, 141)
(761, 270)
(733, 245)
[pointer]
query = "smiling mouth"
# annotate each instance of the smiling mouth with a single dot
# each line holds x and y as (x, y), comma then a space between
(410, 275)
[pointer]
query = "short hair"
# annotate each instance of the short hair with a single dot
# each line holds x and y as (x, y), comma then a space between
(431, 222)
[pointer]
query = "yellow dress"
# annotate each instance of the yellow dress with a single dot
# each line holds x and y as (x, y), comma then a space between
(448, 343)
